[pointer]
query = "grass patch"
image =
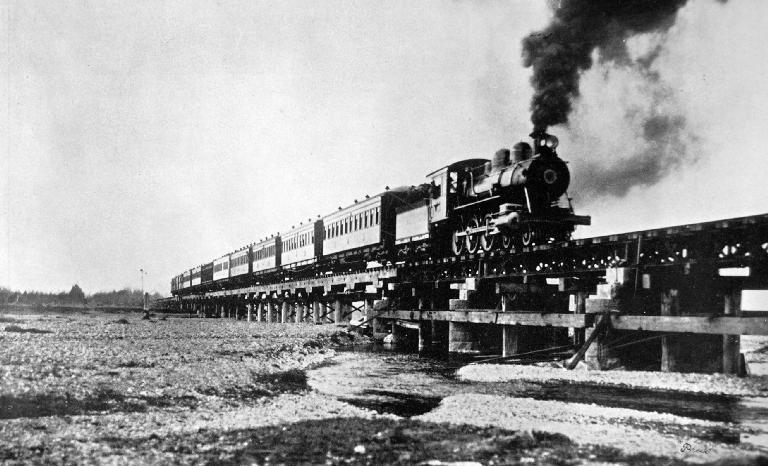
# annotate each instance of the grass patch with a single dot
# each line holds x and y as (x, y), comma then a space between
(40, 405)
(134, 363)
(18, 329)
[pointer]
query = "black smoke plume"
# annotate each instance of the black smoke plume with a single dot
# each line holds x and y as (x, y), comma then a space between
(563, 50)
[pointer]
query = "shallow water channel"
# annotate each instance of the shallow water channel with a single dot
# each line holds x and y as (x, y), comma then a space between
(406, 384)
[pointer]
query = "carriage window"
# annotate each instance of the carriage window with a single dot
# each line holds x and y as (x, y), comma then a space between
(377, 216)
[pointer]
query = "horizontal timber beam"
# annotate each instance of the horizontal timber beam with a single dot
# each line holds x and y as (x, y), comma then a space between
(693, 324)
(478, 316)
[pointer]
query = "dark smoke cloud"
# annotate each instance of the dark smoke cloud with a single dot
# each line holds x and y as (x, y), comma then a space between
(563, 50)
(665, 147)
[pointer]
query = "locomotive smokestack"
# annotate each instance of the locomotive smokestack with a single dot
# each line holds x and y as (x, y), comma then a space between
(539, 140)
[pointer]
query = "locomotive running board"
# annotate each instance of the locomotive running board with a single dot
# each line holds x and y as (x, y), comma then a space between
(476, 202)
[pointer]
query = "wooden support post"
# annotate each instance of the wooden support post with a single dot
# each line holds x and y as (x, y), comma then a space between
(398, 334)
(425, 334)
(581, 306)
(284, 313)
(510, 340)
(670, 345)
(223, 310)
(732, 343)
(316, 312)
(601, 323)
(270, 311)
(370, 315)
(338, 311)
(299, 312)
(259, 311)
(249, 307)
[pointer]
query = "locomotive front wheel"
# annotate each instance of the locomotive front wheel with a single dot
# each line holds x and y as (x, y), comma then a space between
(457, 243)
(473, 241)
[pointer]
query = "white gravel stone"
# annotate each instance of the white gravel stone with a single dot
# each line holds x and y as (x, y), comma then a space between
(673, 381)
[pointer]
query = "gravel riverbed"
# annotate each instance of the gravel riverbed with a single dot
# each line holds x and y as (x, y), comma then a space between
(90, 388)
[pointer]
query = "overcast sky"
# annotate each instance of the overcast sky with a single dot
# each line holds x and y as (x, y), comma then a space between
(161, 134)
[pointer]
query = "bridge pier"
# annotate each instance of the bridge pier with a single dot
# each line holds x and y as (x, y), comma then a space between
(399, 335)
(299, 312)
(732, 343)
(580, 301)
(337, 315)
(425, 335)
(510, 339)
(461, 338)
(670, 344)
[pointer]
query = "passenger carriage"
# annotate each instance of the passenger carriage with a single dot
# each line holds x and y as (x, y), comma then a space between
(265, 255)
(365, 230)
(221, 268)
(186, 280)
(206, 274)
(195, 278)
(240, 263)
(302, 245)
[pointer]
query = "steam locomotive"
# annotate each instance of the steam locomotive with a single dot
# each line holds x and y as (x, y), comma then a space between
(513, 201)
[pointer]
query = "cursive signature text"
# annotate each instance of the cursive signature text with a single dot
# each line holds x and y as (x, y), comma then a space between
(688, 448)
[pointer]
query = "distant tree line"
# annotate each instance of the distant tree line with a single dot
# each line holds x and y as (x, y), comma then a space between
(76, 297)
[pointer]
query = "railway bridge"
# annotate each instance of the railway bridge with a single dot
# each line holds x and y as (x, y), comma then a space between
(662, 299)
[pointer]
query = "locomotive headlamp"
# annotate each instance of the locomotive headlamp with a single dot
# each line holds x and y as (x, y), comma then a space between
(550, 141)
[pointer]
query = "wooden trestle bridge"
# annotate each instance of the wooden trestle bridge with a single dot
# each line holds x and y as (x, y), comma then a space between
(665, 299)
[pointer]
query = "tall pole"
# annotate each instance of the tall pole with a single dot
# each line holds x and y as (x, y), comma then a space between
(143, 300)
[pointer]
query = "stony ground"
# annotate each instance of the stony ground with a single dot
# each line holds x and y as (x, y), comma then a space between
(93, 389)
